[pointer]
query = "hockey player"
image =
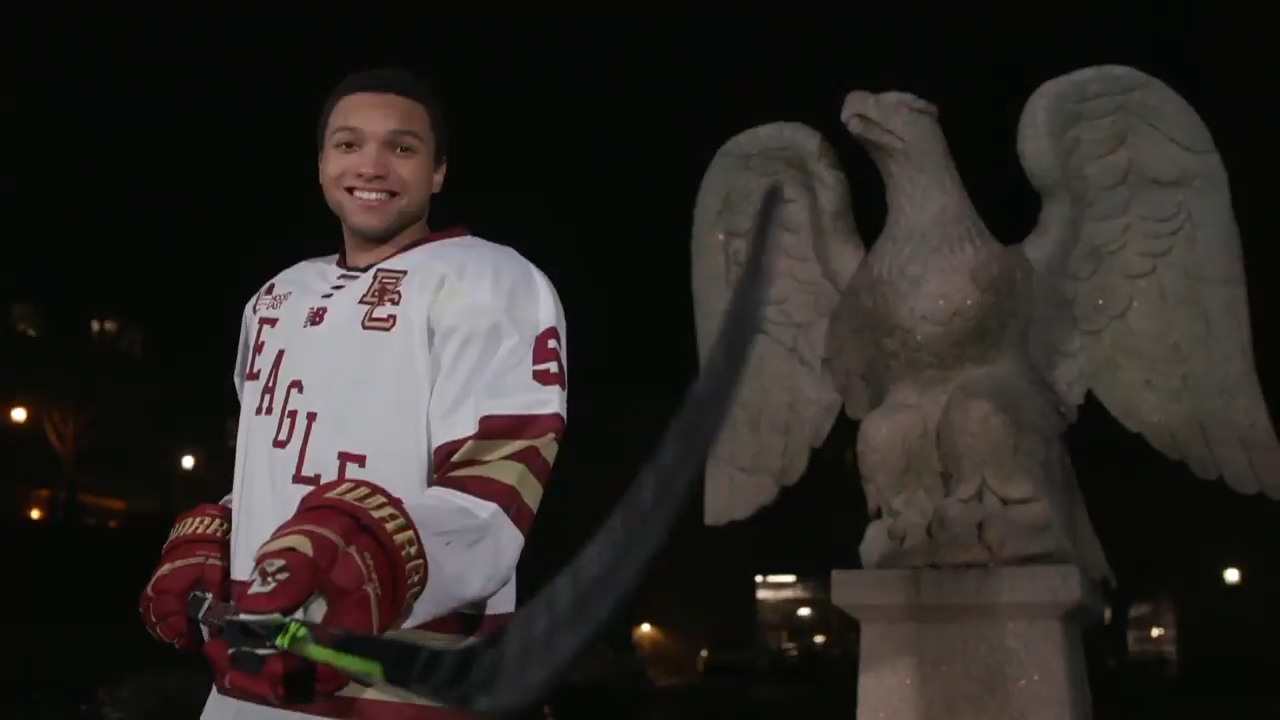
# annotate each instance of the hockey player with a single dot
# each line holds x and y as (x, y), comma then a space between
(401, 401)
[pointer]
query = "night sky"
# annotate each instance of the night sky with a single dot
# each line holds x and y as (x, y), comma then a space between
(164, 166)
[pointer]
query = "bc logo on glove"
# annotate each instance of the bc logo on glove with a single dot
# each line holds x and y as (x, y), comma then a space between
(267, 575)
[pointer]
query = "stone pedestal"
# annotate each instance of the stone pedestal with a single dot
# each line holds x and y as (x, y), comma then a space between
(970, 644)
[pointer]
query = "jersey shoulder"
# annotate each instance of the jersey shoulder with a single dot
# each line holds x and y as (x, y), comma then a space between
(471, 263)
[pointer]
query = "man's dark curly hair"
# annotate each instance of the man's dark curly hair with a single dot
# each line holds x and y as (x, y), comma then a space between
(390, 81)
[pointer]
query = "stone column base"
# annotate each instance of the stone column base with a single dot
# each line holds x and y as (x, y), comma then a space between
(970, 644)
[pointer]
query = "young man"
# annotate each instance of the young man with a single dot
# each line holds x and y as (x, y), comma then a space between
(401, 406)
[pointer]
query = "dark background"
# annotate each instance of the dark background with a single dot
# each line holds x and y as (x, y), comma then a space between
(161, 166)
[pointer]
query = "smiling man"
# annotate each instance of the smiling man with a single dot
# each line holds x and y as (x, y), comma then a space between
(402, 402)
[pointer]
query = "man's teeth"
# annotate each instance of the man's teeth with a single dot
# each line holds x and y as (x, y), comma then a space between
(371, 195)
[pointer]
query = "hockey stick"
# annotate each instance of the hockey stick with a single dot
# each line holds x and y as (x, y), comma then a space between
(508, 670)
(294, 636)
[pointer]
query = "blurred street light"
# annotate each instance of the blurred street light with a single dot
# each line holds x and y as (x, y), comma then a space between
(804, 612)
(819, 639)
(35, 513)
(188, 462)
(1156, 631)
(646, 627)
(1231, 576)
(18, 414)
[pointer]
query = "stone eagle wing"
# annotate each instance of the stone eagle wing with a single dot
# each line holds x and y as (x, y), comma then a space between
(786, 403)
(1140, 279)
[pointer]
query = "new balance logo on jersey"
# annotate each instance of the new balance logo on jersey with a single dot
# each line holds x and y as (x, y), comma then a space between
(315, 316)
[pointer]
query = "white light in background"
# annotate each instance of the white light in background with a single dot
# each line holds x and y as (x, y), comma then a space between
(1231, 576)
(804, 611)
(187, 462)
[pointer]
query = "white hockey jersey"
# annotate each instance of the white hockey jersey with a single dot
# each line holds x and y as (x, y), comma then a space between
(438, 374)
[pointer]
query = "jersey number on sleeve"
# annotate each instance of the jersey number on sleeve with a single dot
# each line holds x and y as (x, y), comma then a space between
(548, 359)
(293, 427)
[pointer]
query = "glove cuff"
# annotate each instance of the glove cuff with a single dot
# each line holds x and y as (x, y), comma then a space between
(206, 523)
(383, 515)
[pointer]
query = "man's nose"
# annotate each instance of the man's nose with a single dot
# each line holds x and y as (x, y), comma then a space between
(374, 163)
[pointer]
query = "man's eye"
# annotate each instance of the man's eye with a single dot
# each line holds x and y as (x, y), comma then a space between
(405, 149)
(344, 145)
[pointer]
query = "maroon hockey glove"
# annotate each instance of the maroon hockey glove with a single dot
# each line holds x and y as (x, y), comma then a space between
(350, 558)
(194, 559)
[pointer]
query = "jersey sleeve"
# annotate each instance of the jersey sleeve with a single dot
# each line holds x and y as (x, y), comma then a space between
(242, 352)
(242, 361)
(496, 415)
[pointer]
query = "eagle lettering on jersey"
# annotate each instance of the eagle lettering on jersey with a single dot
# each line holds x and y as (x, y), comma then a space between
(294, 426)
(384, 291)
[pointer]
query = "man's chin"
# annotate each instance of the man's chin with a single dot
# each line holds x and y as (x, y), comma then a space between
(371, 233)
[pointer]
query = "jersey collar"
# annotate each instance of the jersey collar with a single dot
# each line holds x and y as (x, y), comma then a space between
(452, 232)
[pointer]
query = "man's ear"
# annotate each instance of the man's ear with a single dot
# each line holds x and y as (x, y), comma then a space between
(437, 179)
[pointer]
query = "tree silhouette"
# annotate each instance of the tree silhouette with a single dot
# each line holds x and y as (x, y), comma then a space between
(69, 430)
(83, 380)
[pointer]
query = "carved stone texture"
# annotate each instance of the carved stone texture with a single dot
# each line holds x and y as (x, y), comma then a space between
(964, 358)
(970, 644)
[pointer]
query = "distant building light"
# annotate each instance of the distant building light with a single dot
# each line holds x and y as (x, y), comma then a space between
(780, 579)
(819, 639)
(18, 414)
(95, 326)
(646, 627)
(703, 653)
(759, 579)
(804, 611)
(1156, 631)
(188, 462)
(1231, 576)
(35, 513)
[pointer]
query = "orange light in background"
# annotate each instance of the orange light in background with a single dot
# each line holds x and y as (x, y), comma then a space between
(645, 628)
(35, 513)
(18, 414)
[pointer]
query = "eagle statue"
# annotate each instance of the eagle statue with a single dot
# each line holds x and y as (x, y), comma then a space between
(963, 358)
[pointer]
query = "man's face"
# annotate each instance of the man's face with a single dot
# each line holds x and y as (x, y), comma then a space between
(377, 166)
